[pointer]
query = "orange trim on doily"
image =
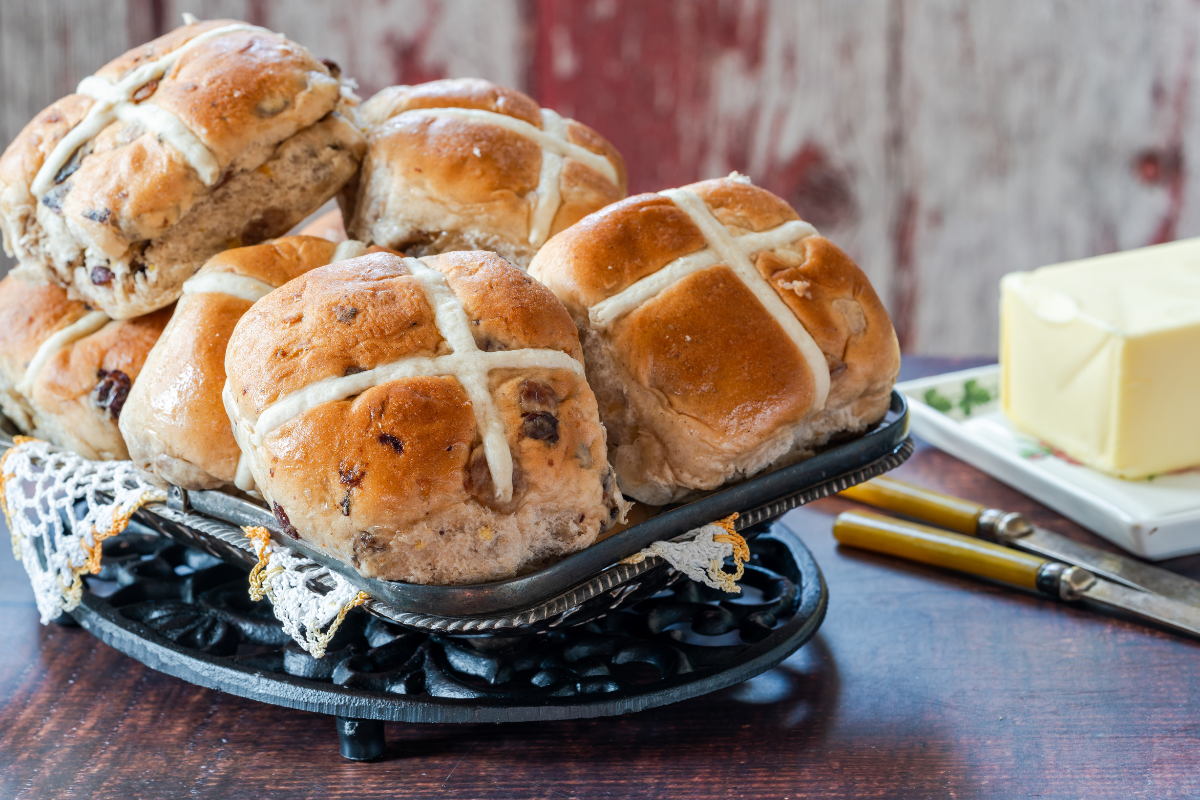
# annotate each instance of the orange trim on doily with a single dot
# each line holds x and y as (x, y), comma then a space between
(119, 524)
(741, 550)
(4, 478)
(258, 590)
(262, 537)
(716, 573)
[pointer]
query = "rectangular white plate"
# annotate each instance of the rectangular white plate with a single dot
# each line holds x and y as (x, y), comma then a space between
(959, 412)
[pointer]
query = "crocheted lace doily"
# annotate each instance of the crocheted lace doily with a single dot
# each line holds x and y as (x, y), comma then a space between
(290, 581)
(41, 489)
(701, 552)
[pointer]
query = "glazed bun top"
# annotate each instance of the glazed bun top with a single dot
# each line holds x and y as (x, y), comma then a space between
(462, 93)
(350, 325)
(476, 165)
(720, 299)
(251, 272)
(149, 136)
(174, 421)
(30, 313)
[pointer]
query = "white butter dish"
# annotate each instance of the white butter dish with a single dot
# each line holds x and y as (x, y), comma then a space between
(959, 412)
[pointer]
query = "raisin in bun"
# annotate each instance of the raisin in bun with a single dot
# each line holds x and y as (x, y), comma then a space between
(723, 335)
(216, 135)
(65, 370)
(465, 164)
(328, 226)
(425, 420)
(174, 421)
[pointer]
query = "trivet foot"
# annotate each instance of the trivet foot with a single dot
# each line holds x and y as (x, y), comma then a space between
(360, 739)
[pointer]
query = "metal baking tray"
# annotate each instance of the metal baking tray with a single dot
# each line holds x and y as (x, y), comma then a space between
(757, 500)
(581, 587)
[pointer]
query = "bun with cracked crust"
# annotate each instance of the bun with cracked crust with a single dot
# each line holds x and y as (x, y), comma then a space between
(216, 135)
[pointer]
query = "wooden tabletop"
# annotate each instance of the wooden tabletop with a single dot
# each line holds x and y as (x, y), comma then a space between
(920, 684)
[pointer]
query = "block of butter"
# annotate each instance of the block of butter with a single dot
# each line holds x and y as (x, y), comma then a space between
(1100, 358)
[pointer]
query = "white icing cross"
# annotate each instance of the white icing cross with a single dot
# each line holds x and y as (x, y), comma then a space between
(552, 138)
(252, 289)
(549, 193)
(114, 101)
(84, 326)
(466, 362)
(242, 287)
(734, 252)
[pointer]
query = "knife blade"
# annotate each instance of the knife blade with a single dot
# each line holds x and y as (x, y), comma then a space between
(975, 556)
(1163, 610)
(1116, 568)
(1015, 530)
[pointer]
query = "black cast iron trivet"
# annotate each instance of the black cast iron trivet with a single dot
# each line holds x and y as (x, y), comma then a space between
(183, 612)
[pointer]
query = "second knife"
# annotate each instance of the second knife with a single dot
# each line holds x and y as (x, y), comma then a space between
(996, 562)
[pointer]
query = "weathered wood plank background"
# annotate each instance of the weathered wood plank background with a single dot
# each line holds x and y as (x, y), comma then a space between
(943, 142)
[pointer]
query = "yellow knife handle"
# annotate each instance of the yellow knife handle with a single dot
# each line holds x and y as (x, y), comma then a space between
(915, 501)
(937, 547)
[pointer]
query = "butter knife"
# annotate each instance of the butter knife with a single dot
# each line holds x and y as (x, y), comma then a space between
(1014, 530)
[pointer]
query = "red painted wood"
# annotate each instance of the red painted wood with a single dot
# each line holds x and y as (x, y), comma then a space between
(648, 74)
(640, 72)
(940, 144)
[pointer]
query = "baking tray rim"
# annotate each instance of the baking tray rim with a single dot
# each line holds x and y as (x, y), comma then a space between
(757, 500)
(465, 600)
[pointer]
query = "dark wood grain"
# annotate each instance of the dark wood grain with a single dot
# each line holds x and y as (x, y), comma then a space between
(920, 684)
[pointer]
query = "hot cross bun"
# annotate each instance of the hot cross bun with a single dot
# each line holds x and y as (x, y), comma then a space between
(65, 370)
(723, 335)
(174, 421)
(464, 164)
(425, 420)
(216, 135)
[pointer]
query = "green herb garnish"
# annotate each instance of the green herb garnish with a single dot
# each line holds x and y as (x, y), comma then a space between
(974, 395)
(938, 402)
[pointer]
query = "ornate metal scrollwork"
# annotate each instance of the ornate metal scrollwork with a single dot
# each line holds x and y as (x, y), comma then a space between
(200, 603)
(186, 612)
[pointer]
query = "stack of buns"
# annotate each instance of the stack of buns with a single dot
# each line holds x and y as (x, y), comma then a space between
(392, 382)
